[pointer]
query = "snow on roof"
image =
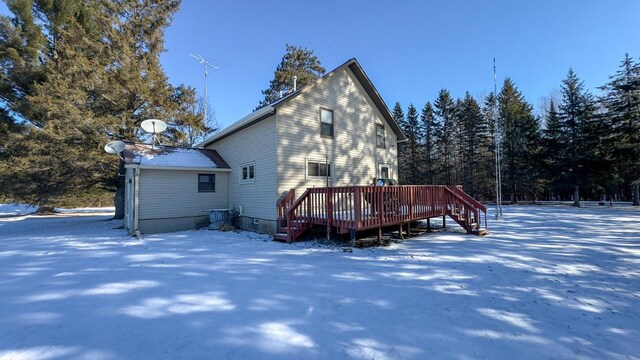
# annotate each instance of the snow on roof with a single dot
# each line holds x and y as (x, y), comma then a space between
(156, 156)
(176, 158)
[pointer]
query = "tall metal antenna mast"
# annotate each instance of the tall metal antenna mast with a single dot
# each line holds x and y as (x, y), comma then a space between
(497, 141)
(207, 65)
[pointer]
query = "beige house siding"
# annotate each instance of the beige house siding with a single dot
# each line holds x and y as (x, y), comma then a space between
(353, 153)
(170, 194)
(254, 144)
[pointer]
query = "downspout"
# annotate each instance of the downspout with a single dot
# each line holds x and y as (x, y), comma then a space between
(136, 187)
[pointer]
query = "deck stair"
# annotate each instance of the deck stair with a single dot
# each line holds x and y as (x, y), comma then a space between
(366, 207)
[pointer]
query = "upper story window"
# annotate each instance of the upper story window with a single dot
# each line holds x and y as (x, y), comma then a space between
(326, 123)
(248, 173)
(206, 182)
(380, 136)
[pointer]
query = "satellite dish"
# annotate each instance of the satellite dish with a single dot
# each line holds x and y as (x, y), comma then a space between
(114, 147)
(153, 126)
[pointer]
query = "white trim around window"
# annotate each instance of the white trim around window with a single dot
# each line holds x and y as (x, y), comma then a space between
(381, 167)
(247, 173)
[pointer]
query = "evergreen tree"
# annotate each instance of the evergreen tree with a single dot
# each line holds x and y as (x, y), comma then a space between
(78, 74)
(404, 165)
(553, 151)
(622, 104)
(187, 119)
(474, 142)
(576, 116)
(297, 61)
(445, 112)
(487, 169)
(412, 128)
(429, 126)
(520, 143)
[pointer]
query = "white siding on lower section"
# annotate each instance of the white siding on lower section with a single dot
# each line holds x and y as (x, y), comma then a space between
(353, 153)
(255, 144)
(166, 194)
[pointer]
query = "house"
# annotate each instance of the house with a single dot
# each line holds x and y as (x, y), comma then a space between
(305, 160)
(169, 188)
(336, 131)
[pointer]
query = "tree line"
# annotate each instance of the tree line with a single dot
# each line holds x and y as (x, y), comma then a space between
(74, 75)
(583, 147)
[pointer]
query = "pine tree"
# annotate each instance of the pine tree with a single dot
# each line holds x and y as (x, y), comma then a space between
(576, 115)
(520, 142)
(187, 119)
(487, 169)
(412, 128)
(553, 151)
(89, 74)
(474, 142)
(404, 165)
(297, 61)
(445, 112)
(622, 104)
(429, 126)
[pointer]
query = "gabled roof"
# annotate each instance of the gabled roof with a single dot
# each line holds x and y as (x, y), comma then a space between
(145, 155)
(270, 109)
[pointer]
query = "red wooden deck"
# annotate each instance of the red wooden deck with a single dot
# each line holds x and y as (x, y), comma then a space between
(368, 207)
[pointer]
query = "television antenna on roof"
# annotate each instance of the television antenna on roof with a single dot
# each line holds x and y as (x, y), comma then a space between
(207, 65)
(154, 127)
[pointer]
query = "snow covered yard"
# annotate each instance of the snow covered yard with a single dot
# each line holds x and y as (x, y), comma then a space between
(550, 282)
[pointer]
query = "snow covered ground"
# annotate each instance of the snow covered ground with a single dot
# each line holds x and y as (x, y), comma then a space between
(550, 282)
(16, 209)
(9, 210)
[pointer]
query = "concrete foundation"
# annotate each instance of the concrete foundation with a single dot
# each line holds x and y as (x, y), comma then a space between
(258, 225)
(151, 226)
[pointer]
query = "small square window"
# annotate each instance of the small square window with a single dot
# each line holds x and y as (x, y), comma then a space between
(384, 172)
(247, 173)
(380, 136)
(206, 183)
(326, 123)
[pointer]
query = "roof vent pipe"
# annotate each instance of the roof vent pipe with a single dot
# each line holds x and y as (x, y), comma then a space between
(295, 83)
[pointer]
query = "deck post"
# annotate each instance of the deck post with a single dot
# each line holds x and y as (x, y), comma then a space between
(358, 206)
(411, 196)
(444, 221)
(409, 229)
(329, 195)
(401, 236)
(352, 235)
(381, 209)
(428, 224)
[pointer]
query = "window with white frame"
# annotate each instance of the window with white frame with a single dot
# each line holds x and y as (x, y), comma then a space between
(380, 136)
(248, 173)
(384, 172)
(318, 169)
(326, 123)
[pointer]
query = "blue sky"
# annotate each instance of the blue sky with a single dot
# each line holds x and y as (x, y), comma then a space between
(410, 49)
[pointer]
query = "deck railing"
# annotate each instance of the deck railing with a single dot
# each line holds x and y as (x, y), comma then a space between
(366, 207)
